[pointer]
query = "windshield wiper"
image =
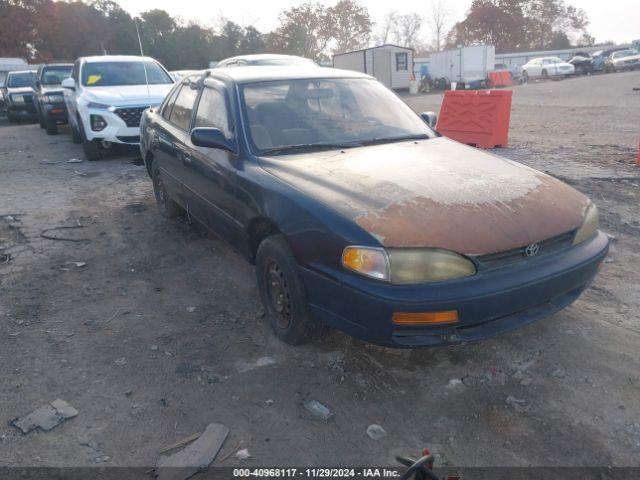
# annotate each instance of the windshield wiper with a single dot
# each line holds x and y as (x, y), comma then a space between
(309, 146)
(376, 141)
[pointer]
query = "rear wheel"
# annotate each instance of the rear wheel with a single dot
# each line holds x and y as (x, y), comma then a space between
(282, 292)
(168, 207)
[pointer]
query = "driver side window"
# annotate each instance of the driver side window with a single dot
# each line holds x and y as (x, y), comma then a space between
(212, 111)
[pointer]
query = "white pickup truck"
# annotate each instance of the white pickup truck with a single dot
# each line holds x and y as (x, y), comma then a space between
(105, 98)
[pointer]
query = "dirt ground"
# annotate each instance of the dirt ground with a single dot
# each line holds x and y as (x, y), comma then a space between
(161, 332)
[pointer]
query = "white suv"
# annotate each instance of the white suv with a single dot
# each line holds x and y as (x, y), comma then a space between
(105, 98)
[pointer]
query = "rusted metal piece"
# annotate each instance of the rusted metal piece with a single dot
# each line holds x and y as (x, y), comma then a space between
(437, 193)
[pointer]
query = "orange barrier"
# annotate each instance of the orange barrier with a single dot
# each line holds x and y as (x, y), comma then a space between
(500, 79)
(476, 117)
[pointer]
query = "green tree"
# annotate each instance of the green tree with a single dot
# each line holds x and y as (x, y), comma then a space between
(304, 30)
(350, 25)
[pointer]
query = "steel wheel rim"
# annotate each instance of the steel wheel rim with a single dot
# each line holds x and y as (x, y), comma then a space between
(278, 294)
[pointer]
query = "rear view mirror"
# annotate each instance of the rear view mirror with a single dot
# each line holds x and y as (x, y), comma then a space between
(430, 118)
(69, 83)
(210, 138)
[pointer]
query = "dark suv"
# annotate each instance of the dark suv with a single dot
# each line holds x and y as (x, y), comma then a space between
(18, 95)
(49, 96)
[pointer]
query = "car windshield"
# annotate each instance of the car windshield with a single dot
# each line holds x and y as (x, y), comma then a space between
(55, 75)
(326, 113)
(624, 53)
(112, 74)
(19, 80)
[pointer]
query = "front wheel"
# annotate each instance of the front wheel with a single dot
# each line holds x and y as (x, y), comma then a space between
(50, 126)
(91, 148)
(75, 135)
(282, 292)
(545, 74)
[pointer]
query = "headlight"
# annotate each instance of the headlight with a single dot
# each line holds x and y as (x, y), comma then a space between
(423, 265)
(589, 226)
(17, 98)
(407, 265)
(372, 262)
(98, 106)
(53, 98)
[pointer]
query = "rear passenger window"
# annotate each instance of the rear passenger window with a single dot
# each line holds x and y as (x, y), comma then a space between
(212, 111)
(166, 111)
(181, 112)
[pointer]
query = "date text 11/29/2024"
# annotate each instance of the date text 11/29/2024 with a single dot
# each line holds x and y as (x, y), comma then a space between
(316, 472)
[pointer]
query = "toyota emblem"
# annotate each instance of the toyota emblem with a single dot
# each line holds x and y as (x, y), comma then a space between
(532, 250)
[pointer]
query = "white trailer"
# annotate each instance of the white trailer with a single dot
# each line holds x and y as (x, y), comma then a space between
(392, 65)
(465, 65)
(9, 65)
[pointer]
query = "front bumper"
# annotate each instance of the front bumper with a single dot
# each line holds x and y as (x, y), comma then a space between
(488, 304)
(116, 131)
(56, 112)
(22, 110)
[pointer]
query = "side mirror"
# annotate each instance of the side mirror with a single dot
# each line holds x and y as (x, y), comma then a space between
(69, 83)
(210, 138)
(430, 118)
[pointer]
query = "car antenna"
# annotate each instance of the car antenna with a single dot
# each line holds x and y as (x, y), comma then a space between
(144, 64)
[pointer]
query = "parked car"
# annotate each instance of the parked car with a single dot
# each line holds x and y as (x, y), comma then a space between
(601, 56)
(358, 215)
(106, 95)
(49, 96)
(178, 75)
(582, 63)
(623, 60)
(18, 95)
(266, 59)
(546, 67)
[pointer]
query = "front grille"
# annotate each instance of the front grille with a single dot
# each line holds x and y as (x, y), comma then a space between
(130, 115)
(28, 98)
(509, 257)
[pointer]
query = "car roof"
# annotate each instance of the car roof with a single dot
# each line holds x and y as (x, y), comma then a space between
(57, 65)
(116, 58)
(21, 71)
(265, 56)
(248, 74)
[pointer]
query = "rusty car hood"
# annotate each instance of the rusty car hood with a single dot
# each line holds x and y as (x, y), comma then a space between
(436, 193)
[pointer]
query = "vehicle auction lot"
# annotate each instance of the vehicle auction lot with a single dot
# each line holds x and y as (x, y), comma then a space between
(158, 330)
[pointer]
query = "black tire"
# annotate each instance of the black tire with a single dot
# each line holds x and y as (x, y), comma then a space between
(168, 207)
(545, 74)
(75, 135)
(282, 292)
(525, 76)
(92, 149)
(41, 120)
(50, 127)
(11, 118)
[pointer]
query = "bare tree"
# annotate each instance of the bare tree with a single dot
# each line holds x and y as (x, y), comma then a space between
(439, 17)
(406, 29)
(385, 29)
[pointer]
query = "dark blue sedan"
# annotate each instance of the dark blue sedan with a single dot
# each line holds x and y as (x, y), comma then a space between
(359, 216)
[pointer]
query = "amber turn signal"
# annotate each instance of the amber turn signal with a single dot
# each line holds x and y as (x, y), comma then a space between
(426, 318)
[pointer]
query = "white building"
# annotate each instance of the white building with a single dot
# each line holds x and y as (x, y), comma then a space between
(390, 64)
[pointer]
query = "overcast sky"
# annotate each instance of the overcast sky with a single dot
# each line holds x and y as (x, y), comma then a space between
(617, 20)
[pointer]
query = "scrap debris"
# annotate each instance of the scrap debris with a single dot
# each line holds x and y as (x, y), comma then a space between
(195, 457)
(46, 417)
